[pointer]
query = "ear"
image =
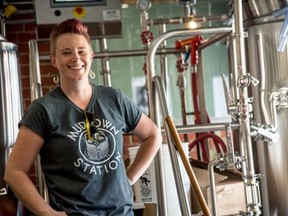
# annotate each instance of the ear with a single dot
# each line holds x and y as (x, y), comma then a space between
(53, 61)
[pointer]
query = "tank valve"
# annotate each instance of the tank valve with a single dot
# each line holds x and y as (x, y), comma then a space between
(263, 132)
(280, 98)
(246, 80)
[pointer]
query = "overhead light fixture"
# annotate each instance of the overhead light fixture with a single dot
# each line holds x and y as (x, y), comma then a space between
(192, 24)
(125, 6)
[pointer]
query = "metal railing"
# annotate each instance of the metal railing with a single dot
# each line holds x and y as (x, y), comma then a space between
(154, 110)
(36, 92)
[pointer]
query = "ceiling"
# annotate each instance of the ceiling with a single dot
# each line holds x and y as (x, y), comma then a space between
(153, 1)
(171, 1)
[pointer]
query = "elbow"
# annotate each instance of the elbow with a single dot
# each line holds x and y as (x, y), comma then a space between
(7, 176)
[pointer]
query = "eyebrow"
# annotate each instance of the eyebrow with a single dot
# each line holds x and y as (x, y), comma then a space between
(79, 48)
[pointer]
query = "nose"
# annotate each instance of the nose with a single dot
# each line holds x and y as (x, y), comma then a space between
(75, 56)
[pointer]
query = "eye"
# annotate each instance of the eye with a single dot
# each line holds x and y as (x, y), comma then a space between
(82, 52)
(66, 52)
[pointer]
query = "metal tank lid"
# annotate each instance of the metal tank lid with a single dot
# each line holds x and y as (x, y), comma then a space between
(6, 45)
(2, 38)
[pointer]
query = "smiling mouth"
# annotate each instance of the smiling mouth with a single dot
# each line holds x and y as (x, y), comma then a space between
(76, 67)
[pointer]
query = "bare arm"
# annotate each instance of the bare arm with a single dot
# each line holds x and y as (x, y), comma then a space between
(150, 141)
(22, 157)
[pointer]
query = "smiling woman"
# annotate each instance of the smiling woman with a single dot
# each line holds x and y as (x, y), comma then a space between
(78, 131)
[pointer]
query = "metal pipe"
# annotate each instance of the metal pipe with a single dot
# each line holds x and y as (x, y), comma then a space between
(212, 185)
(22, 2)
(177, 20)
(3, 27)
(34, 67)
(20, 21)
(158, 160)
(231, 159)
(200, 88)
(24, 12)
(184, 206)
(36, 91)
(250, 181)
(243, 92)
(105, 63)
(234, 67)
(212, 40)
(125, 53)
(205, 128)
(181, 20)
(163, 57)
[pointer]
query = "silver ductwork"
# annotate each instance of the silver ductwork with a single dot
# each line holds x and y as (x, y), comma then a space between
(269, 66)
(10, 106)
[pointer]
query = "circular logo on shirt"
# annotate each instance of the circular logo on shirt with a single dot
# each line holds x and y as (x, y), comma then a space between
(100, 148)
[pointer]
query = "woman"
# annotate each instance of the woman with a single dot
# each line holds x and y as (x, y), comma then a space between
(77, 130)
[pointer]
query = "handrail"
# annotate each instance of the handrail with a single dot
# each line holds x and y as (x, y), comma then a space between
(152, 98)
(36, 92)
(156, 43)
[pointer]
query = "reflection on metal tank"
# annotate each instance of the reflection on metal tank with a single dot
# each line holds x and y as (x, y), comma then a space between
(270, 67)
(10, 108)
(260, 8)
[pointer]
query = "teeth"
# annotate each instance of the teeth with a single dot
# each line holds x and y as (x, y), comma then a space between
(75, 67)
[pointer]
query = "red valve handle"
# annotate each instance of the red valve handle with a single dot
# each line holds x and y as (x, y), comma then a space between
(194, 42)
(146, 37)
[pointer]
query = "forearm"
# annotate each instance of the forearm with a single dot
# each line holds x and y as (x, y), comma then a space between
(26, 192)
(143, 159)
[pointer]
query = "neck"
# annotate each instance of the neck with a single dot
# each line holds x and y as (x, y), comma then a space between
(79, 94)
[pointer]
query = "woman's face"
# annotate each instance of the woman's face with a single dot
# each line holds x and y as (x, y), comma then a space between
(73, 57)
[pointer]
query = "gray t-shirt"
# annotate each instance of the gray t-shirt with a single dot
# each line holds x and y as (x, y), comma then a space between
(83, 177)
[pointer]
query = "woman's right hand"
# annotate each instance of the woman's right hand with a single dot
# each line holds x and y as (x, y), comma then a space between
(55, 213)
(61, 214)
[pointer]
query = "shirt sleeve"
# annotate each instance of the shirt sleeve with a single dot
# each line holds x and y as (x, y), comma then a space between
(132, 113)
(35, 118)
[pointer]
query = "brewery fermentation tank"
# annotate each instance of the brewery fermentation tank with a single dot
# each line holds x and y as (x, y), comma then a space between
(270, 67)
(10, 106)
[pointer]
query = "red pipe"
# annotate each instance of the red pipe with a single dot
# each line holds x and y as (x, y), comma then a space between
(195, 98)
(204, 136)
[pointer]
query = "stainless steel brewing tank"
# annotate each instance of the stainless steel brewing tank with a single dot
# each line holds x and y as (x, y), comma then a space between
(10, 104)
(270, 67)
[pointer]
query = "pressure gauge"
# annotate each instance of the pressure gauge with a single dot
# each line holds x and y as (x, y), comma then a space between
(143, 5)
